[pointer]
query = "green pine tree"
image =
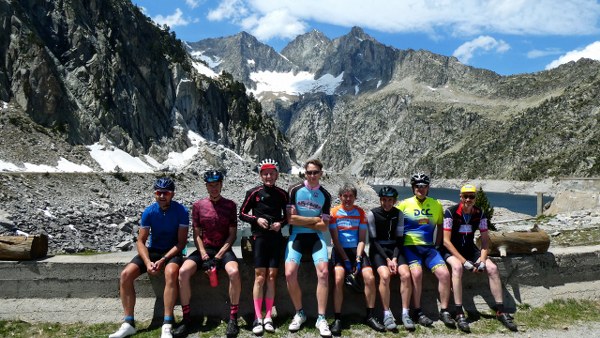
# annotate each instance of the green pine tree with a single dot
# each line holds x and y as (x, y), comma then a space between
(482, 202)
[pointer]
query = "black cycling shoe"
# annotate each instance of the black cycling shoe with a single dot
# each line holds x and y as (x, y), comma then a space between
(507, 320)
(446, 318)
(423, 320)
(336, 327)
(182, 330)
(373, 323)
(462, 323)
(232, 329)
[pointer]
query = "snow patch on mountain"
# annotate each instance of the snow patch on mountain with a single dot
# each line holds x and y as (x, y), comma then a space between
(294, 84)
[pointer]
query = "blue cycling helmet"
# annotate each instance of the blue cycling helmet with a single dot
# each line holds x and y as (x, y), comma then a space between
(213, 176)
(388, 191)
(164, 183)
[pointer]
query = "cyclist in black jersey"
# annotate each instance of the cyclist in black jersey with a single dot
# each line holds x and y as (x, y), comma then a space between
(265, 209)
(386, 230)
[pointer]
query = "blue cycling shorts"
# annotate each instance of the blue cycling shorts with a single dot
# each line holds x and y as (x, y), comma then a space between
(416, 255)
(306, 242)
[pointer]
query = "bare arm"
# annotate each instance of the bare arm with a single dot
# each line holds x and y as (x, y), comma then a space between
(450, 247)
(228, 242)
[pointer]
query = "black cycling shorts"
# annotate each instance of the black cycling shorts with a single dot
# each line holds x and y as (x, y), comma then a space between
(155, 256)
(267, 250)
(229, 256)
(351, 253)
(380, 260)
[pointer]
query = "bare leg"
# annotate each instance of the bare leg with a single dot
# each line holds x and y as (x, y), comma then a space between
(235, 284)
(322, 286)
(338, 292)
(258, 290)
(170, 292)
(443, 276)
(494, 278)
(126, 288)
(405, 285)
(370, 293)
(457, 273)
(291, 277)
(384, 286)
(187, 270)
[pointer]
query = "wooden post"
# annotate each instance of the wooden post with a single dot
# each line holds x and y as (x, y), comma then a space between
(18, 248)
(540, 203)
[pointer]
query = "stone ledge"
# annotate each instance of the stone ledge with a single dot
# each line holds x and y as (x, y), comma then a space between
(528, 279)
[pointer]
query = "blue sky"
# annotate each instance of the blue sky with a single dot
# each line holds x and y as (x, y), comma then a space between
(505, 36)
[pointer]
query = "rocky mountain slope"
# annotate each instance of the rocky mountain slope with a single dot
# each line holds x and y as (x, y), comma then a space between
(397, 111)
(102, 71)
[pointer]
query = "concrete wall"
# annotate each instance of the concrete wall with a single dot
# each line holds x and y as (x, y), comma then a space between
(529, 279)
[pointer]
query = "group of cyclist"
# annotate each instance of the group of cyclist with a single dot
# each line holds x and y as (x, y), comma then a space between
(403, 237)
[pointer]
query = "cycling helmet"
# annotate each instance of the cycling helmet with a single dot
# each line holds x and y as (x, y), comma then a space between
(268, 164)
(213, 176)
(419, 178)
(164, 183)
(388, 191)
(353, 283)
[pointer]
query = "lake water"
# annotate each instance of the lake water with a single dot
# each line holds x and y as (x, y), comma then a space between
(524, 204)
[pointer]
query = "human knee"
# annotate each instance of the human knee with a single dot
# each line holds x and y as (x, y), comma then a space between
(323, 274)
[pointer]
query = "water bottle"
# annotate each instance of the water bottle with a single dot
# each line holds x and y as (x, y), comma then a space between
(212, 276)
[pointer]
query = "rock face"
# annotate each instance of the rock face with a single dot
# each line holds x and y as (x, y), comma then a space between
(400, 111)
(101, 70)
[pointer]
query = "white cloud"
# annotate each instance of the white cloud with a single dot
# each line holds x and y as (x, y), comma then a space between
(192, 3)
(461, 18)
(175, 19)
(591, 51)
(536, 53)
(229, 10)
(278, 23)
(482, 43)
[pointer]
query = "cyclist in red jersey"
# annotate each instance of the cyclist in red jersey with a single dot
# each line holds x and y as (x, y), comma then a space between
(214, 221)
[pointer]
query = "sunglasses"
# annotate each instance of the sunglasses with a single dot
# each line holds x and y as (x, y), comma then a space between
(469, 197)
(313, 172)
(159, 193)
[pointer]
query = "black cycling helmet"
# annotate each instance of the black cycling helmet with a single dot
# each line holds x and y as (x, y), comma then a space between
(388, 191)
(164, 183)
(419, 178)
(213, 176)
(354, 283)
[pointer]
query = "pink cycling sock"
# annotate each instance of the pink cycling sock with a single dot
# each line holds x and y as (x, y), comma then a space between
(258, 307)
(269, 306)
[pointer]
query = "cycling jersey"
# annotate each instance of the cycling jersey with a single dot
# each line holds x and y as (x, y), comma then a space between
(463, 226)
(421, 220)
(309, 202)
(164, 225)
(386, 230)
(264, 202)
(348, 224)
(214, 220)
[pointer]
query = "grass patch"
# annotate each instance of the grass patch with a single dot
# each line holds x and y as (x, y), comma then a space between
(557, 314)
(588, 236)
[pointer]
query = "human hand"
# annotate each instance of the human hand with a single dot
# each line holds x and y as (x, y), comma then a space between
(393, 266)
(263, 223)
(276, 226)
(358, 267)
(468, 265)
(348, 266)
(481, 267)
